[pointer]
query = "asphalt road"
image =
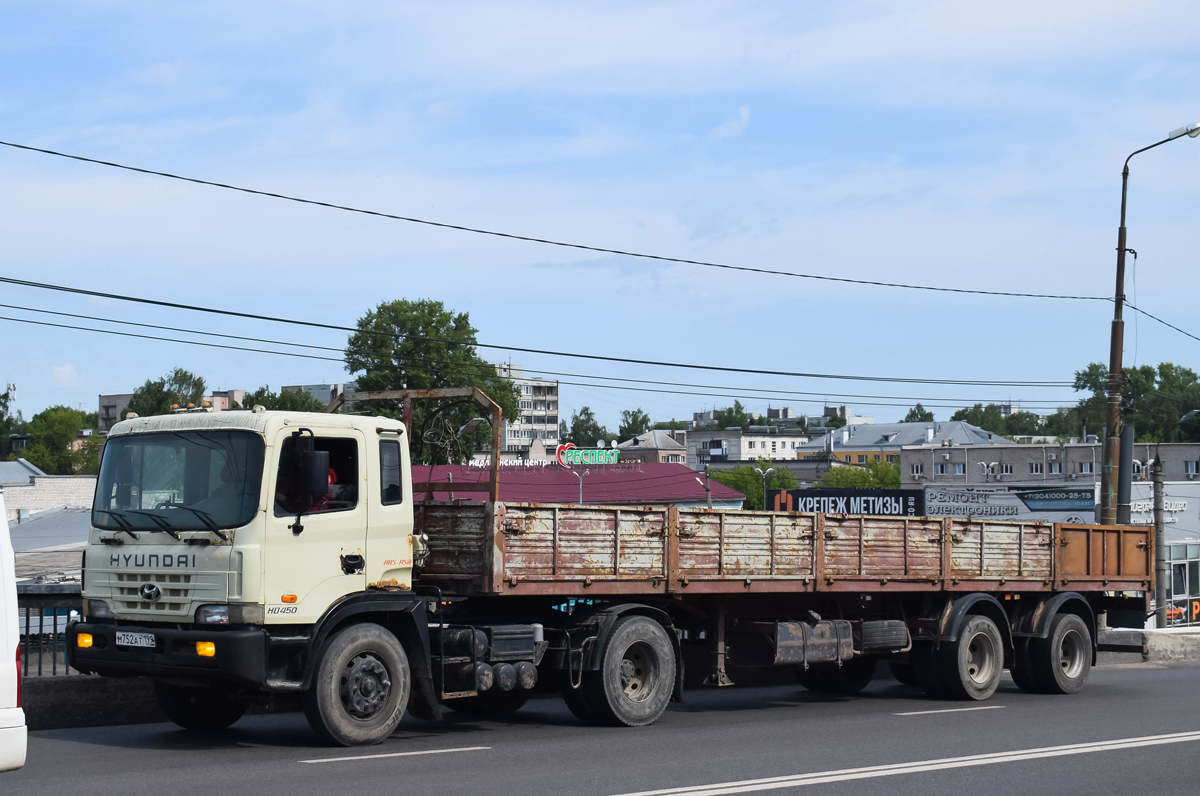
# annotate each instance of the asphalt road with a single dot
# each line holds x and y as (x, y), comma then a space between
(1134, 730)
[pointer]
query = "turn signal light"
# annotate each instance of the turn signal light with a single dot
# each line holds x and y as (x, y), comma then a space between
(288, 598)
(83, 640)
(206, 649)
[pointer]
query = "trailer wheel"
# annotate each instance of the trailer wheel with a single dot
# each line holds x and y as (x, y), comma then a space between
(926, 668)
(360, 687)
(971, 665)
(198, 709)
(636, 677)
(1062, 660)
(905, 673)
(1022, 671)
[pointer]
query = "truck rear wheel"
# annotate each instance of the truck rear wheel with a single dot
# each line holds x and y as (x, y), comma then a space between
(971, 664)
(1022, 670)
(924, 659)
(904, 672)
(1062, 661)
(360, 687)
(636, 677)
(197, 708)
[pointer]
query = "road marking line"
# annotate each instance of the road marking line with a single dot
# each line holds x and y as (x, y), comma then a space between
(871, 772)
(950, 710)
(397, 754)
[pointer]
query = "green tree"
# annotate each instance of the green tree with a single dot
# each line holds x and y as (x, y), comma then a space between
(585, 431)
(986, 417)
(670, 425)
(1020, 424)
(732, 416)
(633, 422)
(880, 475)
(55, 445)
(156, 396)
(835, 421)
(9, 424)
(420, 344)
(744, 479)
(918, 414)
(284, 401)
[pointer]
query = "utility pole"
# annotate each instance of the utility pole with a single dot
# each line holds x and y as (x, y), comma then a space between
(707, 486)
(1112, 438)
(1160, 546)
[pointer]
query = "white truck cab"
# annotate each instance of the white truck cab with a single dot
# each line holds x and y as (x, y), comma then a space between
(13, 736)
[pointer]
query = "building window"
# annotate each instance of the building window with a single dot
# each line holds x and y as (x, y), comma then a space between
(892, 458)
(1006, 469)
(772, 446)
(877, 457)
(917, 469)
(1086, 467)
(1138, 467)
(750, 444)
(1190, 467)
(939, 469)
(1035, 468)
(1055, 468)
(960, 469)
(862, 458)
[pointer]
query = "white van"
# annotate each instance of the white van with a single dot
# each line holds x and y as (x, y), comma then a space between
(12, 717)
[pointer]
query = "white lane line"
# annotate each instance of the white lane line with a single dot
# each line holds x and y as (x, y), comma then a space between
(397, 754)
(950, 710)
(871, 772)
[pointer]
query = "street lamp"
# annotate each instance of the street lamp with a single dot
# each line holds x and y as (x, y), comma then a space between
(1192, 413)
(764, 477)
(580, 477)
(1112, 439)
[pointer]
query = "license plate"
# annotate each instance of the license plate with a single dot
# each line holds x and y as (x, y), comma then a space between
(127, 639)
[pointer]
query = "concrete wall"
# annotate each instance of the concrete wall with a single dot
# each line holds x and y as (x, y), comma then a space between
(50, 491)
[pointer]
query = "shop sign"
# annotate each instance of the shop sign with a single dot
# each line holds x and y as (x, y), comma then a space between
(568, 455)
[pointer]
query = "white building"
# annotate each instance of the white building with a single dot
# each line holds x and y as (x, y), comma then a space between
(538, 418)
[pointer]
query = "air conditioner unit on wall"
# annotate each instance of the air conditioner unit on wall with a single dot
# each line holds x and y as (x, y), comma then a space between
(946, 456)
(1052, 456)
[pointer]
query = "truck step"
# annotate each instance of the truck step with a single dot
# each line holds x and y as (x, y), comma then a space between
(284, 685)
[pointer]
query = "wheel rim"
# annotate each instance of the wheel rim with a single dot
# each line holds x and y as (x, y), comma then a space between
(981, 659)
(639, 671)
(365, 686)
(1071, 655)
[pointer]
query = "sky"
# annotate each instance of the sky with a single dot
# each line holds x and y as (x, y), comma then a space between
(965, 145)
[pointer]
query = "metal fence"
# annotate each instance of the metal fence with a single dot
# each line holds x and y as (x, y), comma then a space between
(43, 612)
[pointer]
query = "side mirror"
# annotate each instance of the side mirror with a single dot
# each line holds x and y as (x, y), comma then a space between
(314, 473)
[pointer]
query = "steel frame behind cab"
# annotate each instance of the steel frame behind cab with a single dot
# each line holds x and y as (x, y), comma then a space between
(534, 549)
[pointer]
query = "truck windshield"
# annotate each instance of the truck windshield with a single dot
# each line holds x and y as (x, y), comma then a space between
(179, 480)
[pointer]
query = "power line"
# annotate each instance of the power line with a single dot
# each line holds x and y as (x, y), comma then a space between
(204, 344)
(484, 368)
(547, 241)
(1160, 320)
(520, 349)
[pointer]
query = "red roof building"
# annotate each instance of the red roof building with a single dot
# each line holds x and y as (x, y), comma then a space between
(632, 483)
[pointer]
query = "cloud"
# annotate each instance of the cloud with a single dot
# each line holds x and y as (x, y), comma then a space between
(733, 127)
(65, 375)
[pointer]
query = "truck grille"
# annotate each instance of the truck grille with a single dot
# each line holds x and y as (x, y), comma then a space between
(176, 591)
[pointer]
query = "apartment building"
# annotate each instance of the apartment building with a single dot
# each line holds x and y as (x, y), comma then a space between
(538, 407)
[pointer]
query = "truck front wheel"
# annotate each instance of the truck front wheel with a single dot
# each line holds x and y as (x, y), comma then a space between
(198, 709)
(360, 687)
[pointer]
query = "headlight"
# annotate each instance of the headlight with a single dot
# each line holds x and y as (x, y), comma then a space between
(96, 609)
(212, 615)
(236, 614)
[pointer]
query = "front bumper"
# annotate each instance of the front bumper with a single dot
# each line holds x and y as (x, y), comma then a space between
(241, 655)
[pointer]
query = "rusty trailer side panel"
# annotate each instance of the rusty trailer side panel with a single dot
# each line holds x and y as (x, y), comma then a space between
(561, 549)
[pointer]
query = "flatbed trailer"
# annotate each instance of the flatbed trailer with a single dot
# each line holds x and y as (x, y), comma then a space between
(242, 557)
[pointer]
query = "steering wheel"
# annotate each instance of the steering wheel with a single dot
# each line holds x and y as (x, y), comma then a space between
(165, 504)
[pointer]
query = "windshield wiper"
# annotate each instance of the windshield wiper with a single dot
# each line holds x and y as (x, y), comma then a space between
(122, 523)
(205, 518)
(159, 521)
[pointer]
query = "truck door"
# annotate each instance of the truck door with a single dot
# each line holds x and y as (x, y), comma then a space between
(390, 515)
(313, 561)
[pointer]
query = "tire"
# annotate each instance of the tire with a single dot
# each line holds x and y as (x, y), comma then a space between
(810, 678)
(636, 677)
(851, 677)
(198, 709)
(925, 665)
(492, 703)
(905, 673)
(576, 699)
(1022, 671)
(360, 687)
(1063, 660)
(971, 665)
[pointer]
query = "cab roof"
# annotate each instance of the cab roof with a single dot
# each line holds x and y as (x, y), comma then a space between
(260, 422)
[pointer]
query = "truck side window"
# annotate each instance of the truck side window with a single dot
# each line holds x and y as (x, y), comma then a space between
(391, 480)
(343, 478)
